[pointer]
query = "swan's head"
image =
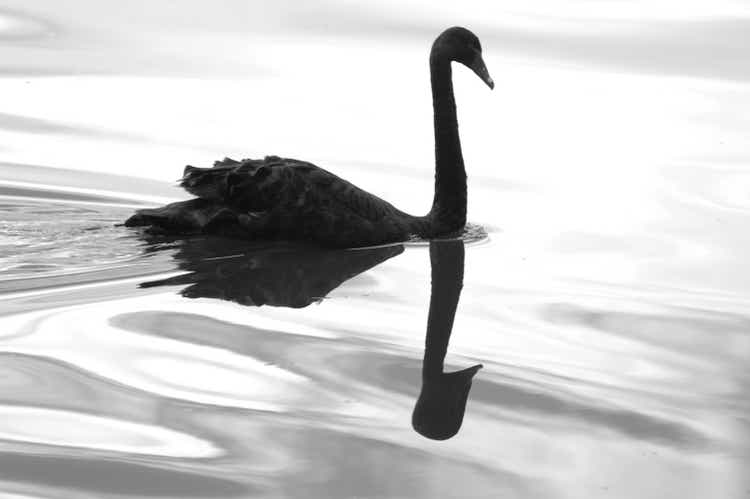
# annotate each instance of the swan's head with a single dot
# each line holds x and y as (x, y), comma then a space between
(461, 45)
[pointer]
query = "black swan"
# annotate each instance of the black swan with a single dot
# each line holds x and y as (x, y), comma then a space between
(281, 198)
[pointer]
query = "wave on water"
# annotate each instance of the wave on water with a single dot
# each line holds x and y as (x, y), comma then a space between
(49, 239)
(471, 234)
(16, 25)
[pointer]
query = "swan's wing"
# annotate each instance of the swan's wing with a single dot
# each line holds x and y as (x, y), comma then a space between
(281, 183)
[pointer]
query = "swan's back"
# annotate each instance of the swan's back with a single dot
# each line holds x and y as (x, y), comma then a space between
(274, 183)
(285, 198)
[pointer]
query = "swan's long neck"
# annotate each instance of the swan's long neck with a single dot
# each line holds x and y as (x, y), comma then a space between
(448, 211)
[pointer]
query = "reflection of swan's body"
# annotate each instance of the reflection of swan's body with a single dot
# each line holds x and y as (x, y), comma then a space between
(439, 411)
(279, 198)
(255, 275)
(293, 275)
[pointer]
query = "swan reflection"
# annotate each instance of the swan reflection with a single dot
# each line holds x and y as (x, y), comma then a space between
(273, 274)
(439, 410)
(295, 276)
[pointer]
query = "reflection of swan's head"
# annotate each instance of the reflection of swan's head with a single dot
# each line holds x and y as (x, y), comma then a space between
(461, 45)
(440, 407)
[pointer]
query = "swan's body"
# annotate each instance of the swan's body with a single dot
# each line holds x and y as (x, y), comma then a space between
(281, 198)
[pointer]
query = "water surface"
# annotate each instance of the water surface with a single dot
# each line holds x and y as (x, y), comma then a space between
(608, 304)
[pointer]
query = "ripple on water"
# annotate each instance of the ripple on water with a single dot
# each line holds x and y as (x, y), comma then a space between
(48, 240)
(471, 234)
(42, 426)
(16, 25)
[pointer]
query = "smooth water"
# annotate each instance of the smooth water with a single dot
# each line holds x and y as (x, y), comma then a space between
(609, 304)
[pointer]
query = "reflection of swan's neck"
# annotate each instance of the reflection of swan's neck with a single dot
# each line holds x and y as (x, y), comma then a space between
(439, 410)
(447, 280)
(448, 211)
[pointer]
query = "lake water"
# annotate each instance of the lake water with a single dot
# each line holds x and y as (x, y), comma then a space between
(609, 303)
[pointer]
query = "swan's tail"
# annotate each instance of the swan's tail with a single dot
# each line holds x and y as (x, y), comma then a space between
(194, 216)
(208, 183)
(212, 211)
(219, 183)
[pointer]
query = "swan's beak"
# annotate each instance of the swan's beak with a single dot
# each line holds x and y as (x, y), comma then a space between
(478, 66)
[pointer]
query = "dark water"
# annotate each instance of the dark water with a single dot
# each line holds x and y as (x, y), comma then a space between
(603, 286)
